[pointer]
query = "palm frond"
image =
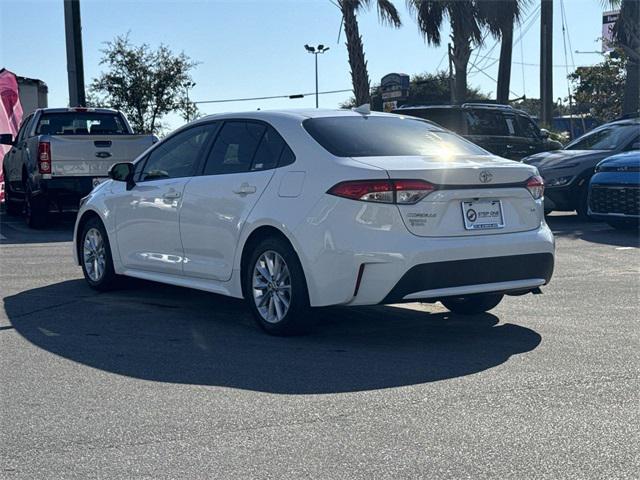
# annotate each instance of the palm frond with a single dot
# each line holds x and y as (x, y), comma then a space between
(388, 13)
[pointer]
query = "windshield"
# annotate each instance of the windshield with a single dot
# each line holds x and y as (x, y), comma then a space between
(610, 137)
(80, 123)
(369, 136)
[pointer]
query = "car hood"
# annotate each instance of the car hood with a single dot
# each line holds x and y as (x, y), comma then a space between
(629, 160)
(561, 159)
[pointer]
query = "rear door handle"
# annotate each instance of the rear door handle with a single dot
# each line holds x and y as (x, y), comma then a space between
(245, 189)
(171, 195)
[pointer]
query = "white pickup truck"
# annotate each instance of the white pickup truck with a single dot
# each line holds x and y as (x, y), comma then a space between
(60, 154)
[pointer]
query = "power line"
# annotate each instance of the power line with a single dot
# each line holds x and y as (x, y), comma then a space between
(248, 99)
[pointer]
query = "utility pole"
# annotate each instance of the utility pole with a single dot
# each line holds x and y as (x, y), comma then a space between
(546, 62)
(316, 51)
(75, 67)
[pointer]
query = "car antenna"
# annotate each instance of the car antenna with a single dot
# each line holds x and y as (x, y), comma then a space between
(364, 109)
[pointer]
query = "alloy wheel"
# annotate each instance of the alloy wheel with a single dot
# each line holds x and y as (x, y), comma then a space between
(94, 254)
(271, 286)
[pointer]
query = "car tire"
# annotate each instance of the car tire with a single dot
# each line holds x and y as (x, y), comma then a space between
(623, 224)
(473, 304)
(582, 208)
(275, 288)
(12, 207)
(95, 256)
(34, 213)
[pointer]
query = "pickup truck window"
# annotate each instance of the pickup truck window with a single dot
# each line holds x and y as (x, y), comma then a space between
(22, 133)
(81, 123)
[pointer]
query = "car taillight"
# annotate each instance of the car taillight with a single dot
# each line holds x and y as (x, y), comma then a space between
(404, 192)
(535, 185)
(44, 157)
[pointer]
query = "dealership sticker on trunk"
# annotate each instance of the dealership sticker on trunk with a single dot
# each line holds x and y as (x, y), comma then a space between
(482, 214)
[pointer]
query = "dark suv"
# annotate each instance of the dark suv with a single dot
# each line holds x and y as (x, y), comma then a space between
(500, 129)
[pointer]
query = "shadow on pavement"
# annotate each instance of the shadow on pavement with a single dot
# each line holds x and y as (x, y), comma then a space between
(15, 231)
(573, 227)
(169, 334)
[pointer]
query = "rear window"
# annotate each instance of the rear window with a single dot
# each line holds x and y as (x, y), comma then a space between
(448, 118)
(80, 123)
(372, 136)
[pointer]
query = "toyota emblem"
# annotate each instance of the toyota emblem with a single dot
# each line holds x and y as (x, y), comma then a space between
(485, 176)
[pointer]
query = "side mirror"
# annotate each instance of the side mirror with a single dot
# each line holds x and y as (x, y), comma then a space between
(635, 146)
(544, 133)
(6, 139)
(123, 172)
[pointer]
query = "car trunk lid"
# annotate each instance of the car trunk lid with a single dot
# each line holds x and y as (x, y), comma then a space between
(485, 185)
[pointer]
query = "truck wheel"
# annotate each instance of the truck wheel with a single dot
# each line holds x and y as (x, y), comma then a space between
(13, 206)
(34, 213)
(473, 304)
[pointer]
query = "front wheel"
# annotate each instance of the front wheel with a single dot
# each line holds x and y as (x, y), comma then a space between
(473, 304)
(276, 290)
(95, 256)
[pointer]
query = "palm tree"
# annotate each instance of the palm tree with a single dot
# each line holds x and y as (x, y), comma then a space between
(500, 17)
(465, 30)
(387, 14)
(627, 33)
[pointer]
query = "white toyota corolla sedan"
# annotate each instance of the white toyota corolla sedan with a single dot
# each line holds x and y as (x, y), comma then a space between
(298, 209)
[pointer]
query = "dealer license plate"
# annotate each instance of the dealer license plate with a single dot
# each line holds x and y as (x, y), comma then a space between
(482, 214)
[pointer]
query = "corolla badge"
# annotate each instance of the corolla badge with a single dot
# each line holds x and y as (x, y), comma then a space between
(485, 176)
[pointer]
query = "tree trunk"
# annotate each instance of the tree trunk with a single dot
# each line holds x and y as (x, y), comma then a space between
(631, 103)
(461, 55)
(504, 70)
(630, 13)
(357, 62)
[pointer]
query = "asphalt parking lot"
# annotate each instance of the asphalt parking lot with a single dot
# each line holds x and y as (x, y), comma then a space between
(153, 381)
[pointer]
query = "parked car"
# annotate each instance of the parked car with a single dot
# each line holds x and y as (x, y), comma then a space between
(614, 191)
(60, 154)
(567, 172)
(292, 210)
(500, 129)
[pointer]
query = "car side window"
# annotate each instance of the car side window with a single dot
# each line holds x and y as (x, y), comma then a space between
(633, 144)
(177, 156)
(287, 157)
(234, 148)
(269, 150)
(486, 122)
(528, 128)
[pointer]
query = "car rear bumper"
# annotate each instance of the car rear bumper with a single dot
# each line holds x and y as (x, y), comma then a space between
(355, 253)
(64, 193)
(476, 275)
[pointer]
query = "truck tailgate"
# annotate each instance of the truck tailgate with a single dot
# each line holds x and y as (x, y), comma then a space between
(93, 155)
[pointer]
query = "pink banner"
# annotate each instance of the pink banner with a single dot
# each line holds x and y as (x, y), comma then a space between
(10, 114)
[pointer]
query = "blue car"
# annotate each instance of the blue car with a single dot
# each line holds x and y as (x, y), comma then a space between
(614, 191)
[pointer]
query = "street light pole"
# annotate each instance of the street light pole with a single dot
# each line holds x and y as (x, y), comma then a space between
(316, 51)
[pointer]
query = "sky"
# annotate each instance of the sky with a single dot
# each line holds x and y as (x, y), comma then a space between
(253, 48)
